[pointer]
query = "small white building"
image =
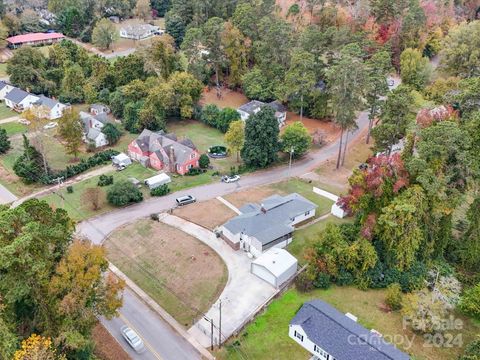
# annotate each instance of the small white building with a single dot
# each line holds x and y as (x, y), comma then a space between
(92, 128)
(157, 180)
(329, 334)
(139, 31)
(5, 88)
(96, 137)
(19, 100)
(121, 159)
(275, 266)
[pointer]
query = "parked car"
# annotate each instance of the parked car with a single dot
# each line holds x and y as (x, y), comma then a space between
(24, 121)
(185, 200)
(390, 82)
(51, 125)
(132, 339)
(121, 167)
(230, 179)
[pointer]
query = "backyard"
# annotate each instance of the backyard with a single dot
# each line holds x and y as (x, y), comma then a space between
(5, 112)
(14, 128)
(180, 273)
(266, 338)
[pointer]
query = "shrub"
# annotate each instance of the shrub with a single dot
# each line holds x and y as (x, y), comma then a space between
(123, 193)
(105, 180)
(160, 191)
(344, 278)
(304, 281)
(194, 171)
(70, 189)
(470, 302)
(472, 350)
(154, 217)
(393, 297)
(4, 142)
(322, 281)
(204, 161)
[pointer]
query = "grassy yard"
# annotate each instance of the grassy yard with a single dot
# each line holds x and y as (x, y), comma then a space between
(179, 272)
(14, 128)
(267, 337)
(3, 70)
(5, 112)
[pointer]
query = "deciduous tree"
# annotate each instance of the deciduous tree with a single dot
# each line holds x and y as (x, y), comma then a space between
(71, 130)
(414, 68)
(297, 139)
(104, 34)
(143, 9)
(235, 137)
(93, 197)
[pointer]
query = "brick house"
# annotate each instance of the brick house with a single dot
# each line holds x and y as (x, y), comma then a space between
(162, 151)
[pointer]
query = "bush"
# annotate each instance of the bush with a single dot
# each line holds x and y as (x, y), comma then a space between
(322, 281)
(344, 278)
(304, 281)
(393, 297)
(204, 161)
(123, 193)
(470, 302)
(4, 142)
(70, 189)
(472, 350)
(160, 191)
(105, 180)
(154, 217)
(194, 171)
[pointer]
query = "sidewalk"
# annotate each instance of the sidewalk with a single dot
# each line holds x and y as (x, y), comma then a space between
(6, 196)
(10, 119)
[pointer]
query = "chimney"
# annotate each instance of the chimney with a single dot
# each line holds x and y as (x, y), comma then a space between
(262, 209)
(171, 158)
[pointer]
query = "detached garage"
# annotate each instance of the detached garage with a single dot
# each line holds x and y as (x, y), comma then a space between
(275, 266)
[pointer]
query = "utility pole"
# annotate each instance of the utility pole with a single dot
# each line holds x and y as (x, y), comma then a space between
(59, 182)
(292, 150)
(211, 331)
(220, 325)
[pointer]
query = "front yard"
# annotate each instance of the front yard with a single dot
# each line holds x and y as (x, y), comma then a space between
(14, 128)
(179, 272)
(5, 112)
(266, 338)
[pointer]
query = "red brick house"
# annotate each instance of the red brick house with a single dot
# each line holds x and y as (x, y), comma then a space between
(162, 151)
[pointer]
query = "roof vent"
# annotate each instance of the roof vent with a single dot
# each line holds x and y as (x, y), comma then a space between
(351, 317)
(263, 209)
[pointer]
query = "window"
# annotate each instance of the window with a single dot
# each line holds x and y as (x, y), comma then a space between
(307, 213)
(192, 156)
(319, 350)
(298, 335)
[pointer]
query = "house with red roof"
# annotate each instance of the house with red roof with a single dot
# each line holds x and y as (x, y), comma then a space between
(34, 39)
(162, 151)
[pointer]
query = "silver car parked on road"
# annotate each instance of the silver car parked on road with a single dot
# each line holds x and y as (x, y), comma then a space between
(132, 339)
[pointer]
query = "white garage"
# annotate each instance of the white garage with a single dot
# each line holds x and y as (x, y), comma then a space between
(275, 266)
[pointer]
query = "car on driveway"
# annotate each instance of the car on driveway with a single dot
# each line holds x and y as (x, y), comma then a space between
(24, 121)
(132, 339)
(121, 167)
(185, 200)
(50, 125)
(230, 179)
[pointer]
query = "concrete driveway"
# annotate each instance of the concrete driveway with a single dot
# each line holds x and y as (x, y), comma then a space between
(243, 294)
(6, 197)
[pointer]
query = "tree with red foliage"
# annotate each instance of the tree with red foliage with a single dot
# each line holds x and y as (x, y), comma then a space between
(428, 116)
(374, 188)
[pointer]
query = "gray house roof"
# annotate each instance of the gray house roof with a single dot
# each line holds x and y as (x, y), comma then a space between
(342, 337)
(46, 101)
(16, 95)
(93, 133)
(2, 84)
(270, 220)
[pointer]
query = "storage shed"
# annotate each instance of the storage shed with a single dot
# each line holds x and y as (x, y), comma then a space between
(157, 180)
(275, 266)
(121, 160)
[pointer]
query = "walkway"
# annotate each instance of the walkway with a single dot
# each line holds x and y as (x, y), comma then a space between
(6, 196)
(229, 205)
(243, 294)
(10, 119)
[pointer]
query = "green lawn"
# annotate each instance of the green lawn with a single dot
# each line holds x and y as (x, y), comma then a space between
(5, 112)
(185, 182)
(3, 70)
(267, 337)
(14, 128)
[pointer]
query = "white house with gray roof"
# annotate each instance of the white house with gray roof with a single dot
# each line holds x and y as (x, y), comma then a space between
(271, 224)
(139, 31)
(329, 334)
(254, 106)
(54, 109)
(92, 128)
(4, 89)
(19, 100)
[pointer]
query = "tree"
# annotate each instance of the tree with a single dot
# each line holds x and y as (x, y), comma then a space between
(300, 77)
(235, 137)
(236, 48)
(296, 138)
(212, 40)
(71, 89)
(129, 68)
(261, 139)
(160, 57)
(4, 142)
(36, 347)
(470, 302)
(256, 85)
(71, 130)
(111, 133)
(415, 69)
(378, 67)
(393, 296)
(3, 35)
(93, 197)
(472, 350)
(186, 93)
(395, 117)
(124, 193)
(470, 247)
(226, 117)
(104, 34)
(460, 55)
(346, 84)
(30, 165)
(143, 9)
(204, 161)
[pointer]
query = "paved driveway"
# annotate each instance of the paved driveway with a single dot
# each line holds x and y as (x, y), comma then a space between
(6, 197)
(243, 294)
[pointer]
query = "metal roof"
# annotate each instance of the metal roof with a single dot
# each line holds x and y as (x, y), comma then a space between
(342, 337)
(276, 261)
(19, 39)
(16, 95)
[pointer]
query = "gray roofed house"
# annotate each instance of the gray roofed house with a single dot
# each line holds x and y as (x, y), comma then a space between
(139, 31)
(270, 224)
(254, 106)
(329, 334)
(92, 128)
(19, 100)
(16, 95)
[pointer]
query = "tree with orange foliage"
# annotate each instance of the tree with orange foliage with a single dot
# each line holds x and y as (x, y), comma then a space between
(37, 347)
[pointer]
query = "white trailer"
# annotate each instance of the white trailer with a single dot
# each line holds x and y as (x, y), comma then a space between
(121, 160)
(157, 180)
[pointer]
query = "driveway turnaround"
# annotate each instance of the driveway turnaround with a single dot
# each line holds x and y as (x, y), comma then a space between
(6, 197)
(243, 294)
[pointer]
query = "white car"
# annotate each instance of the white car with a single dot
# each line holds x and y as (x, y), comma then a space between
(230, 179)
(50, 125)
(390, 82)
(24, 121)
(132, 339)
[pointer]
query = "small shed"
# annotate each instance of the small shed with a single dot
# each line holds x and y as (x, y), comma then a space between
(275, 266)
(157, 180)
(121, 159)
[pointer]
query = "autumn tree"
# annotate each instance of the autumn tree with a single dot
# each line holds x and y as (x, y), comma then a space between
(104, 34)
(296, 139)
(236, 48)
(414, 68)
(71, 130)
(160, 56)
(470, 302)
(3, 35)
(93, 197)
(261, 139)
(143, 9)
(37, 347)
(235, 137)
(470, 247)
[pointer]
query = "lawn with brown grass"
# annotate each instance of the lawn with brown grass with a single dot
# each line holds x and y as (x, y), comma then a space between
(209, 214)
(106, 347)
(180, 273)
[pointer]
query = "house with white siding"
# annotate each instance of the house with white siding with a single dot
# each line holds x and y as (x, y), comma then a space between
(5, 88)
(54, 109)
(254, 106)
(19, 100)
(329, 334)
(270, 224)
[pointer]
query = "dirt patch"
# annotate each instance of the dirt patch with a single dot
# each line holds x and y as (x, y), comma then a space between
(252, 195)
(209, 214)
(327, 127)
(179, 272)
(230, 98)
(106, 347)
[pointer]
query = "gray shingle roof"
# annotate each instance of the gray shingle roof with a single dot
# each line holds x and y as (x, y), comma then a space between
(16, 95)
(342, 337)
(2, 84)
(252, 107)
(93, 133)
(274, 222)
(46, 101)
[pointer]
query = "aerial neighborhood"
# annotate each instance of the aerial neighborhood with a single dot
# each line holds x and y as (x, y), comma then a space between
(268, 180)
